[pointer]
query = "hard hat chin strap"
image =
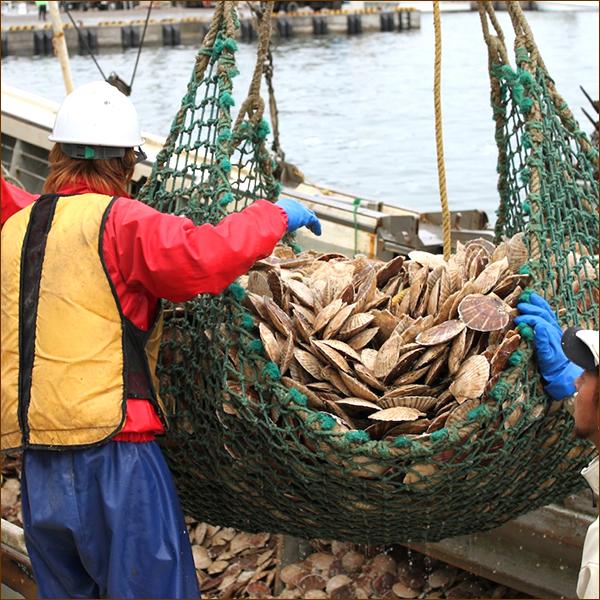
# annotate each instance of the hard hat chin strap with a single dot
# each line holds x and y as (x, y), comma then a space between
(83, 151)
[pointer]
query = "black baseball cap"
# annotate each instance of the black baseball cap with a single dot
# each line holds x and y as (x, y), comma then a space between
(581, 347)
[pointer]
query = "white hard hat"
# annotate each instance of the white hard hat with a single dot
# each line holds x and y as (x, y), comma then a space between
(97, 114)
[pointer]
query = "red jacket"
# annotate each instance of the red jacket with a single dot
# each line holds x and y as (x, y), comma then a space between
(151, 255)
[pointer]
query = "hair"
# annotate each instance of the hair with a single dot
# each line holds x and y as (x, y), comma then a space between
(108, 176)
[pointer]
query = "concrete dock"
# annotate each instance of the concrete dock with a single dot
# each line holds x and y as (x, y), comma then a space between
(171, 26)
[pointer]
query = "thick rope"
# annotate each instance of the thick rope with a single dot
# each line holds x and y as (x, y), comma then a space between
(439, 141)
(254, 105)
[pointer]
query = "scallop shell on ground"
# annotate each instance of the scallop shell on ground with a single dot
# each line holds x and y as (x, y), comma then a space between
(438, 334)
(484, 313)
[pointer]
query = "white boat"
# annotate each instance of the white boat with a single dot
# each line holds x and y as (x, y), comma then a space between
(567, 6)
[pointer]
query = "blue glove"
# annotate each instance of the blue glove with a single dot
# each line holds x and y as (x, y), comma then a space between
(299, 216)
(556, 369)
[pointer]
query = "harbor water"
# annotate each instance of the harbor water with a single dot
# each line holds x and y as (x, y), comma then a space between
(356, 112)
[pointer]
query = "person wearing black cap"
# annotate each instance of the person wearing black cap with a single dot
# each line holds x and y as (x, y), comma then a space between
(568, 363)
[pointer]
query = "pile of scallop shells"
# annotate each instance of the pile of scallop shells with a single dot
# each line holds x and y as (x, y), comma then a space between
(403, 347)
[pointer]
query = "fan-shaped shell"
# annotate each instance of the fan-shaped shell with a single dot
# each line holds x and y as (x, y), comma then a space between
(409, 389)
(436, 368)
(355, 324)
(411, 376)
(308, 362)
(278, 317)
(270, 343)
(258, 284)
(503, 352)
(427, 259)
(471, 378)
(367, 357)
(358, 406)
(397, 413)
(366, 376)
(330, 355)
(490, 276)
(360, 340)
(357, 388)
(343, 348)
(287, 355)
(439, 334)
(389, 270)
(422, 403)
(460, 412)
(338, 321)
(325, 315)
(387, 356)
(408, 355)
(333, 375)
(484, 313)
(516, 252)
(302, 292)
(457, 352)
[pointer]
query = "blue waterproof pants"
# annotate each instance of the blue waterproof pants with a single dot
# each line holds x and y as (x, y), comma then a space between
(105, 522)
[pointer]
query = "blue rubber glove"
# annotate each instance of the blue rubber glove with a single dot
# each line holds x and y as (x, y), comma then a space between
(299, 216)
(557, 370)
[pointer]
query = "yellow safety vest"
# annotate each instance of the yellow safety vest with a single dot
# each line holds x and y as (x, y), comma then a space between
(70, 358)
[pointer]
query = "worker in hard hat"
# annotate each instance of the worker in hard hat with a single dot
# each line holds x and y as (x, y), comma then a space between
(83, 269)
(568, 364)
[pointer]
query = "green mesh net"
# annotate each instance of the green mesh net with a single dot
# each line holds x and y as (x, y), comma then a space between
(247, 452)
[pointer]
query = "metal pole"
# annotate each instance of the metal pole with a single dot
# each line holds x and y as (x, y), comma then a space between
(60, 46)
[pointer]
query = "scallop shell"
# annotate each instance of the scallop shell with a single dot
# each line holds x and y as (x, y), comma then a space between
(471, 378)
(270, 343)
(484, 313)
(302, 292)
(357, 388)
(326, 314)
(439, 334)
(287, 355)
(360, 340)
(343, 348)
(503, 352)
(431, 354)
(516, 252)
(278, 317)
(417, 287)
(410, 389)
(508, 283)
(408, 355)
(313, 400)
(397, 413)
(438, 366)
(358, 406)
(258, 284)
(355, 324)
(367, 357)
(333, 375)
(366, 291)
(490, 276)
(410, 376)
(413, 330)
(366, 376)
(457, 352)
(256, 303)
(308, 362)
(276, 287)
(387, 356)
(330, 355)
(422, 403)
(338, 321)
(459, 413)
(302, 327)
(434, 298)
(427, 259)
(307, 313)
(389, 270)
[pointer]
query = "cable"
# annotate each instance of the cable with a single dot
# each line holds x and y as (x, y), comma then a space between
(141, 45)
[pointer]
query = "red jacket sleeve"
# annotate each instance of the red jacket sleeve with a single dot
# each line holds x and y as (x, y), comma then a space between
(13, 200)
(172, 258)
